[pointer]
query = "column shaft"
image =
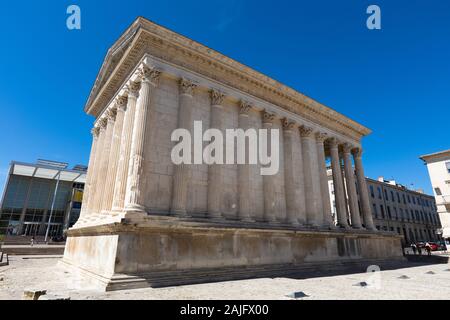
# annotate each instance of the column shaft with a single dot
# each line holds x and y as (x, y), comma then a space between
(339, 192)
(135, 195)
(90, 173)
(363, 192)
(125, 148)
(314, 215)
(244, 170)
(93, 189)
(103, 174)
(290, 180)
(114, 155)
(269, 182)
(182, 172)
(326, 205)
(351, 188)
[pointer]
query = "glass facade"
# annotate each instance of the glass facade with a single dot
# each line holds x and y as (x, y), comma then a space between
(27, 203)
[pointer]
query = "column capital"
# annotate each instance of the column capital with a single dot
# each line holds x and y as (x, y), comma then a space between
(111, 114)
(347, 148)
(102, 122)
(268, 117)
(306, 132)
(321, 137)
(244, 108)
(95, 131)
(187, 87)
(148, 74)
(288, 125)
(132, 88)
(333, 142)
(357, 152)
(217, 97)
(121, 103)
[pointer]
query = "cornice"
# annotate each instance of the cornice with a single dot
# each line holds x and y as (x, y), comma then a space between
(145, 37)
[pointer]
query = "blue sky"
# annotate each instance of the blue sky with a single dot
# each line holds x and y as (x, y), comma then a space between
(395, 81)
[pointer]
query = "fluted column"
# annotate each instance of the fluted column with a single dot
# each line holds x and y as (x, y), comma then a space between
(182, 173)
(107, 203)
(363, 192)
(290, 183)
(94, 189)
(351, 187)
(244, 170)
(339, 192)
(135, 195)
(125, 147)
(104, 165)
(269, 182)
(87, 186)
(314, 215)
(215, 171)
(326, 205)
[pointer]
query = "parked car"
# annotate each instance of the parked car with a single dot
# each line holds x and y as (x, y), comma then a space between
(434, 246)
(442, 246)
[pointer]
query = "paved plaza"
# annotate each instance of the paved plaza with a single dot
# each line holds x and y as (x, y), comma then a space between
(418, 281)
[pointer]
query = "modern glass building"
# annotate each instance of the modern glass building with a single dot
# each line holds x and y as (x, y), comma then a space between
(40, 196)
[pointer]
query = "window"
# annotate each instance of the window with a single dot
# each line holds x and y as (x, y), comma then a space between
(398, 197)
(389, 212)
(392, 196)
(447, 182)
(438, 191)
(375, 213)
(385, 195)
(372, 193)
(379, 193)
(447, 164)
(404, 199)
(382, 211)
(409, 199)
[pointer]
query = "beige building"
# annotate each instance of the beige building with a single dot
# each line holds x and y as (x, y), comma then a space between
(146, 221)
(439, 169)
(395, 208)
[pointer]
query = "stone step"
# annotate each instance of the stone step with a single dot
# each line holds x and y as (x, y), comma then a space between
(182, 277)
(37, 250)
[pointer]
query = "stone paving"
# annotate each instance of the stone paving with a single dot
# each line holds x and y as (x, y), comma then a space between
(415, 282)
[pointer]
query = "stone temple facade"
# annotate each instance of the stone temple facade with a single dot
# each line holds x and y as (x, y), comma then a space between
(148, 222)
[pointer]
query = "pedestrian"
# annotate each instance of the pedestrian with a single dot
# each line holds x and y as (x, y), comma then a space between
(419, 250)
(32, 241)
(428, 249)
(414, 248)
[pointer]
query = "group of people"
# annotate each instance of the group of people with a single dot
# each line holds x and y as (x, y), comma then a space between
(415, 248)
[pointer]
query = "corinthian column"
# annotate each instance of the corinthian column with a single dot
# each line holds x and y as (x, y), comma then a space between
(339, 192)
(135, 195)
(215, 172)
(269, 182)
(290, 183)
(244, 170)
(94, 188)
(326, 206)
(101, 185)
(87, 187)
(125, 147)
(351, 187)
(182, 173)
(114, 155)
(314, 214)
(363, 192)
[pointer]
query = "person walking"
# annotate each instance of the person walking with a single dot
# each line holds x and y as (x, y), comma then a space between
(419, 250)
(428, 249)
(414, 248)
(32, 241)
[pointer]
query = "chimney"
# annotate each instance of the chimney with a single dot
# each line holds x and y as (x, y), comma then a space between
(381, 179)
